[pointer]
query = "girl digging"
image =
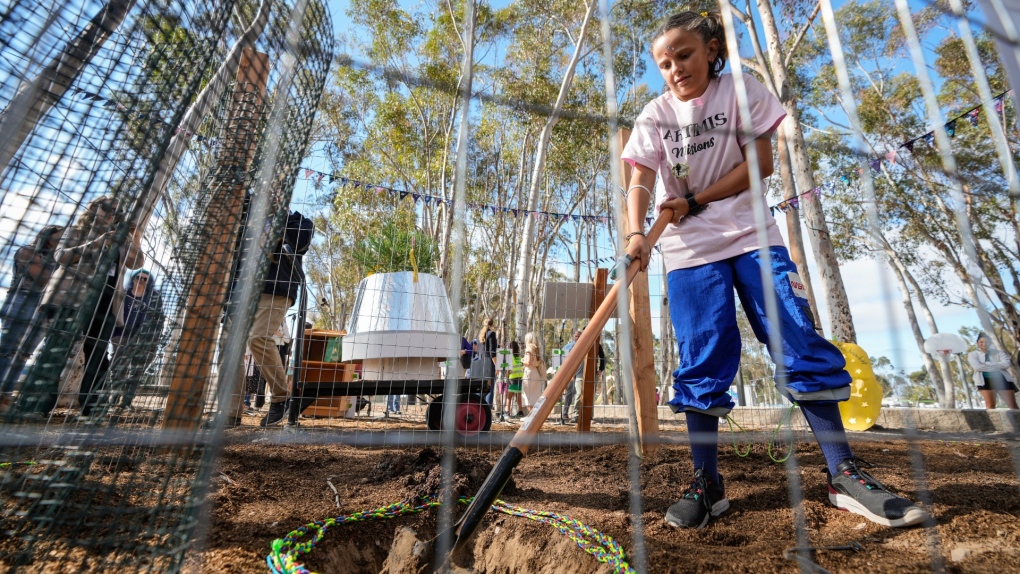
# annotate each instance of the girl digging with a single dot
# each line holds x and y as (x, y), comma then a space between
(691, 137)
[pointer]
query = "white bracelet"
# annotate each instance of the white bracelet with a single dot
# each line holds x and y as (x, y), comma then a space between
(648, 191)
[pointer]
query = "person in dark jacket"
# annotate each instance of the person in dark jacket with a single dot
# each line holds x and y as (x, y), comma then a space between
(136, 337)
(284, 279)
(33, 266)
(488, 348)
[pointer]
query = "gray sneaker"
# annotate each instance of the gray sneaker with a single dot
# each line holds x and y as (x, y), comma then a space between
(702, 501)
(854, 490)
(277, 413)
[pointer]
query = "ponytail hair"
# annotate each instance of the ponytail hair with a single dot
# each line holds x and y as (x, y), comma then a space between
(708, 25)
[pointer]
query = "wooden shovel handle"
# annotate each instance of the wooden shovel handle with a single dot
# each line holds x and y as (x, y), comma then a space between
(565, 375)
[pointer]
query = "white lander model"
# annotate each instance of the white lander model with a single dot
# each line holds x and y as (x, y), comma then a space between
(400, 331)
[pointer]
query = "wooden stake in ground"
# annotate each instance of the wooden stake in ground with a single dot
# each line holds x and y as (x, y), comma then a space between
(642, 370)
(221, 223)
(587, 410)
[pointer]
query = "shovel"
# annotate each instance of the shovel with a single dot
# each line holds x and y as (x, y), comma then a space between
(530, 426)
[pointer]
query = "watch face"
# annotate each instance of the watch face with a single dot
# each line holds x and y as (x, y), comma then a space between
(681, 170)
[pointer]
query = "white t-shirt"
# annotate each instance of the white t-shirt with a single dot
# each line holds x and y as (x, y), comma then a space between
(704, 133)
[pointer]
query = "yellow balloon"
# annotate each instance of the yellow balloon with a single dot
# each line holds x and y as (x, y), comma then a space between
(860, 412)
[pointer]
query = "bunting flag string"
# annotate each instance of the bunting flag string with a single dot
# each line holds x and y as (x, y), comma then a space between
(111, 103)
(429, 200)
(970, 115)
(794, 202)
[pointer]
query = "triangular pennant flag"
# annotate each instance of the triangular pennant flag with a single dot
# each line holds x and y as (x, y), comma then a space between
(890, 156)
(973, 116)
(998, 104)
(929, 138)
(795, 201)
(951, 128)
(415, 197)
(876, 164)
(308, 173)
(909, 145)
(319, 180)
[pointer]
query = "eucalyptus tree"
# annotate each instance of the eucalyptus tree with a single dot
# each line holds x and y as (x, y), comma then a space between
(919, 235)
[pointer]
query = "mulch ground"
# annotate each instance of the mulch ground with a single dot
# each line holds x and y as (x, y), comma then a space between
(263, 491)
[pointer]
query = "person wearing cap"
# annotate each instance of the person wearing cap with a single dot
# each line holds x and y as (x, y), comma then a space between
(136, 336)
(991, 373)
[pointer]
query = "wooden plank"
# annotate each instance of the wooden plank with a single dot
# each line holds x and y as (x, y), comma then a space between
(587, 409)
(642, 369)
(220, 225)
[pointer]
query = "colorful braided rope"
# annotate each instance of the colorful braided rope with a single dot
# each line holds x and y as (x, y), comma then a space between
(287, 551)
(22, 463)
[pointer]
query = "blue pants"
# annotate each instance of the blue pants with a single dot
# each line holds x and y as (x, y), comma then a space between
(703, 312)
(393, 403)
(18, 315)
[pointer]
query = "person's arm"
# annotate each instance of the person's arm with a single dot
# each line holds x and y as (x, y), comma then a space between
(32, 261)
(71, 250)
(734, 182)
(979, 364)
(133, 257)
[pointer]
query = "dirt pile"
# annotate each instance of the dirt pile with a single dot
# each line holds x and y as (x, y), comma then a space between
(421, 473)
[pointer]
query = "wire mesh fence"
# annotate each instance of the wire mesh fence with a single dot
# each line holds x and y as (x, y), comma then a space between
(405, 260)
(134, 134)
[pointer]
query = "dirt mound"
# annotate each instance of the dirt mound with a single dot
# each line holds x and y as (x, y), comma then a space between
(274, 489)
(421, 473)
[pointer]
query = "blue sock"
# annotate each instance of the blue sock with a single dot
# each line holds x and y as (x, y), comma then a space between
(704, 434)
(825, 422)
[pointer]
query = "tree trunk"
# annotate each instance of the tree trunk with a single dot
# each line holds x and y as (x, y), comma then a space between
(943, 387)
(38, 96)
(840, 318)
(198, 110)
(793, 228)
(524, 269)
(946, 372)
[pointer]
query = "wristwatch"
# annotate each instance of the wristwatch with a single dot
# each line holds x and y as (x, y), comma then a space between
(693, 207)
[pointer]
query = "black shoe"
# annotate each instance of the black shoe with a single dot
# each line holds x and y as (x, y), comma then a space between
(519, 415)
(277, 412)
(703, 500)
(854, 490)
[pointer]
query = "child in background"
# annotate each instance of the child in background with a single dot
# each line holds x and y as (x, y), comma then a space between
(534, 372)
(516, 374)
(691, 137)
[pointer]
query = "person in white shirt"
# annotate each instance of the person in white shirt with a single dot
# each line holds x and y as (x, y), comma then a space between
(991, 373)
